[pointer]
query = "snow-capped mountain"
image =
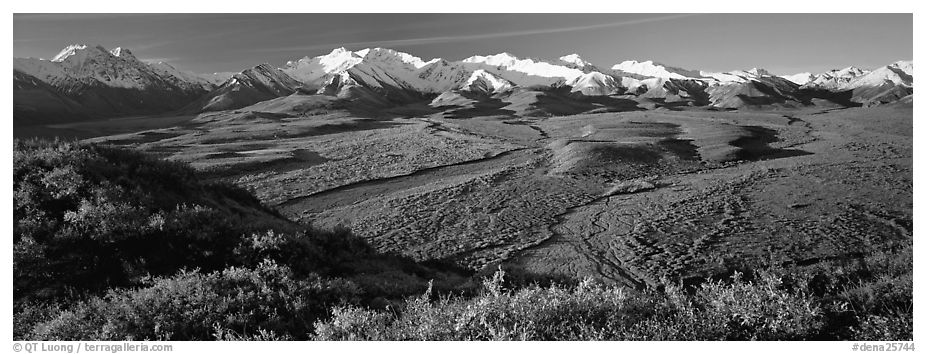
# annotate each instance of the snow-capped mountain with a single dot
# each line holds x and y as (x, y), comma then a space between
(740, 76)
(899, 73)
(800, 78)
(883, 85)
(94, 81)
(386, 69)
(117, 68)
(756, 89)
(376, 68)
(880, 85)
(314, 71)
(523, 72)
(256, 84)
(443, 75)
(485, 82)
(575, 60)
(835, 79)
(106, 82)
(652, 69)
(598, 84)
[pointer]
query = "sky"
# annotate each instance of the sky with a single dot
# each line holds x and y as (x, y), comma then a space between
(780, 43)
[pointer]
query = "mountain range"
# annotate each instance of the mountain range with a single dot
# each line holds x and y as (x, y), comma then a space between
(87, 82)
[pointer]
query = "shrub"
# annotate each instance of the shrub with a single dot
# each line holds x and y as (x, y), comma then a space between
(739, 310)
(868, 298)
(758, 310)
(87, 218)
(266, 302)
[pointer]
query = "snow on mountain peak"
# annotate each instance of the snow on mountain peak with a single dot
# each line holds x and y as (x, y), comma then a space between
(76, 54)
(482, 80)
(500, 59)
(339, 50)
(836, 78)
(523, 72)
(80, 67)
(740, 75)
(68, 51)
(904, 65)
(574, 59)
(338, 60)
(595, 83)
(389, 55)
(123, 53)
(653, 69)
(850, 70)
(898, 73)
(800, 78)
(314, 69)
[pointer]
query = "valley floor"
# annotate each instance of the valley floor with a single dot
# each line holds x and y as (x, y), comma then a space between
(627, 197)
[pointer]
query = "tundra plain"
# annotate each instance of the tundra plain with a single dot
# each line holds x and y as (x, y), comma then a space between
(622, 197)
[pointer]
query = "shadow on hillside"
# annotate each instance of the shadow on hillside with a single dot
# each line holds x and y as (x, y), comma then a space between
(756, 147)
(843, 98)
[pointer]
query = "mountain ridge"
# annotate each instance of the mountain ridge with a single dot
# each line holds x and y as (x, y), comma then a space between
(114, 82)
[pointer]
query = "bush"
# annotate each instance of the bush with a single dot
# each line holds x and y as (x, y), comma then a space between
(868, 298)
(306, 251)
(266, 302)
(739, 310)
(87, 218)
(758, 310)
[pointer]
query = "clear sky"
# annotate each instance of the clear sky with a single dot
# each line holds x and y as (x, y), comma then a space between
(781, 43)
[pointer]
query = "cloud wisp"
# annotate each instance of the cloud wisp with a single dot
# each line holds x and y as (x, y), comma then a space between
(464, 38)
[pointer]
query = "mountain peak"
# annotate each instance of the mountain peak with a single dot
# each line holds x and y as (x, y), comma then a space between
(339, 59)
(850, 70)
(387, 55)
(337, 55)
(80, 52)
(905, 65)
(800, 78)
(633, 62)
(759, 72)
(500, 59)
(123, 53)
(654, 69)
(68, 51)
(574, 59)
(341, 51)
(313, 69)
(486, 82)
(261, 67)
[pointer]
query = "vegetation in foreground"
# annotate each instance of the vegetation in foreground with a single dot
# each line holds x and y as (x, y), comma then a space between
(870, 299)
(111, 244)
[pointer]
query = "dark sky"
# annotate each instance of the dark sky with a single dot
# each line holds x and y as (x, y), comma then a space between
(781, 43)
